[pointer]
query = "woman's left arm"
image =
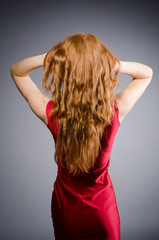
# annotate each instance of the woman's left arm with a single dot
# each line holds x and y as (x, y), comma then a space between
(20, 74)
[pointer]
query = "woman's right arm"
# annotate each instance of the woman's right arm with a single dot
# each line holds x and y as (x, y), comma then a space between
(142, 76)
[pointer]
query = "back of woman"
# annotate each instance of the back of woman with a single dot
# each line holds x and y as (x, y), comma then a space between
(84, 206)
(84, 116)
(85, 119)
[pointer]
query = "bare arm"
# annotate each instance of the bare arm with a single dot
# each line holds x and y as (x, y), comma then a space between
(27, 65)
(142, 75)
(135, 69)
(29, 90)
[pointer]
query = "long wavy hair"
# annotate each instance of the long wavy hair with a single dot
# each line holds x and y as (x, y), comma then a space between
(80, 71)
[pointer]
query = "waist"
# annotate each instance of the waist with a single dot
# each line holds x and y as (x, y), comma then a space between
(99, 177)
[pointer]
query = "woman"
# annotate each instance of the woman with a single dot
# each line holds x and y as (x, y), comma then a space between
(83, 116)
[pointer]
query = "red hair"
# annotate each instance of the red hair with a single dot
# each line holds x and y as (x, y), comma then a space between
(80, 68)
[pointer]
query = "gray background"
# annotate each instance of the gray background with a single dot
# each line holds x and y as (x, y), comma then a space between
(28, 170)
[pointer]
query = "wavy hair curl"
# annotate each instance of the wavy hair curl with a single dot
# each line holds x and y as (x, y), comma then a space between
(80, 70)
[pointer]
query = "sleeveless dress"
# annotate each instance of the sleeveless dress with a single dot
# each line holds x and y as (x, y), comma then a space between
(85, 206)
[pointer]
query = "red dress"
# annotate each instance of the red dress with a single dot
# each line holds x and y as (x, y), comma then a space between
(85, 207)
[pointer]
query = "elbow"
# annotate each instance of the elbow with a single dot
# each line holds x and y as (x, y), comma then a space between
(12, 69)
(150, 72)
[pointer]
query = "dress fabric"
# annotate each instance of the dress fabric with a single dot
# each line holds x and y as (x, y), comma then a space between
(85, 206)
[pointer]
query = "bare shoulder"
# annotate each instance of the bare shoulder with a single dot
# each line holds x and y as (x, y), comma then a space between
(46, 98)
(119, 108)
(124, 106)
